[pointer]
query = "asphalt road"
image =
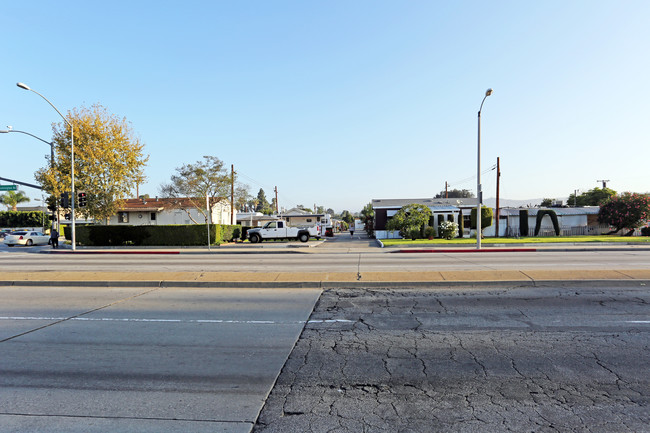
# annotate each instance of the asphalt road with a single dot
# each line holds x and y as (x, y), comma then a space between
(146, 360)
(542, 359)
(510, 360)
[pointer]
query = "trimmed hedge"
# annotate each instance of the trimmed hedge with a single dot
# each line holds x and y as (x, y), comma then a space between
(487, 216)
(163, 235)
(16, 219)
(540, 216)
(523, 222)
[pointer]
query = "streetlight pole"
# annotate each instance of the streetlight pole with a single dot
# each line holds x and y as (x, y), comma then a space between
(479, 191)
(72, 193)
(10, 129)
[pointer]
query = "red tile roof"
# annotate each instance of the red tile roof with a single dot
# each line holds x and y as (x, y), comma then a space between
(158, 204)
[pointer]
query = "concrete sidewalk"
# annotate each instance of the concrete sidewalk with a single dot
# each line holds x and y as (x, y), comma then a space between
(324, 279)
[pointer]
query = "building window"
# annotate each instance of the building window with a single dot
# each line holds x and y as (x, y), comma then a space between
(123, 217)
(467, 221)
(308, 220)
(153, 216)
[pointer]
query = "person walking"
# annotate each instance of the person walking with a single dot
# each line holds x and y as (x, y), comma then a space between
(351, 228)
(54, 238)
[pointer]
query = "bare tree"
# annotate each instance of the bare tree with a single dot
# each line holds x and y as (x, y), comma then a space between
(196, 181)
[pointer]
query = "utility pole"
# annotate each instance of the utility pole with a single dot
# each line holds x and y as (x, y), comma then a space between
(498, 177)
(446, 190)
(275, 189)
(232, 194)
(604, 182)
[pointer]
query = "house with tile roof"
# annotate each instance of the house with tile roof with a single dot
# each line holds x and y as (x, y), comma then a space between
(165, 211)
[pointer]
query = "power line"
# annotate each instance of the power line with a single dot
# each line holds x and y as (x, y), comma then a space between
(467, 179)
(280, 196)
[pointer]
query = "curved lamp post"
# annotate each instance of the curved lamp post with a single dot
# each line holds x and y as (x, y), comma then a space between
(10, 129)
(26, 87)
(5, 131)
(479, 191)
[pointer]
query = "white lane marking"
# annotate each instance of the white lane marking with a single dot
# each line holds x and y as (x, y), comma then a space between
(637, 321)
(109, 319)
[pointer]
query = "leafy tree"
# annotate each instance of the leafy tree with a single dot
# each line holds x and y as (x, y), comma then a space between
(262, 203)
(409, 218)
(625, 211)
(108, 159)
(330, 211)
(12, 198)
(455, 193)
(368, 219)
(196, 181)
(347, 217)
(242, 195)
(593, 197)
(547, 202)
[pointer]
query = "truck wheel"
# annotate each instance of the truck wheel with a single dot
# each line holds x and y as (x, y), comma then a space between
(254, 238)
(303, 237)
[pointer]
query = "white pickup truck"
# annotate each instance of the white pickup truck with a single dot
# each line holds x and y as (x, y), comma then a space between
(280, 230)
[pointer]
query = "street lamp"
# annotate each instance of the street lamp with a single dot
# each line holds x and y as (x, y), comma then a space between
(479, 191)
(10, 129)
(26, 87)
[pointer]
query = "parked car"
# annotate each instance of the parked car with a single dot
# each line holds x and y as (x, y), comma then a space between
(24, 237)
(279, 230)
(4, 232)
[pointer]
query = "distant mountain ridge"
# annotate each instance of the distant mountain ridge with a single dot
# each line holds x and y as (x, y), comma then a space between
(531, 202)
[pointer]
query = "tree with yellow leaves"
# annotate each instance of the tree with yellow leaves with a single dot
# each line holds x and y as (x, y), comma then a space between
(108, 160)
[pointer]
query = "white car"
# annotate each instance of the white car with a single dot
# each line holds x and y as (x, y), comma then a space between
(24, 237)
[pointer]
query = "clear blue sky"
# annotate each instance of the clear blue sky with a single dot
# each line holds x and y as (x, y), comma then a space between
(340, 102)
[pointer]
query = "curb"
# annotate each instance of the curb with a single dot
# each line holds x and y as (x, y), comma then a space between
(170, 252)
(334, 284)
(468, 250)
(517, 250)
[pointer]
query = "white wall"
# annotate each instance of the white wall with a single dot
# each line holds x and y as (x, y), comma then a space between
(220, 215)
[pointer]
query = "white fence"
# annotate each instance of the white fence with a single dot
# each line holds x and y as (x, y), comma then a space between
(569, 231)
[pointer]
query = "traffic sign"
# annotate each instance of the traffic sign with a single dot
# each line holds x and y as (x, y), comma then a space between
(8, 187)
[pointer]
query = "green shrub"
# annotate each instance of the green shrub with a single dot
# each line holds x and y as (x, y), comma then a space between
(429, 232)
(645, 231)
(414, 233)
(448, 229)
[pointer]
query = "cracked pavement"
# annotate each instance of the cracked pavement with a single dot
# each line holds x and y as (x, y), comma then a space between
(543, 359)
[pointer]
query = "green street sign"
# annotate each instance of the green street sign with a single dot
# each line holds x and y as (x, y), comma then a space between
(8, 187)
